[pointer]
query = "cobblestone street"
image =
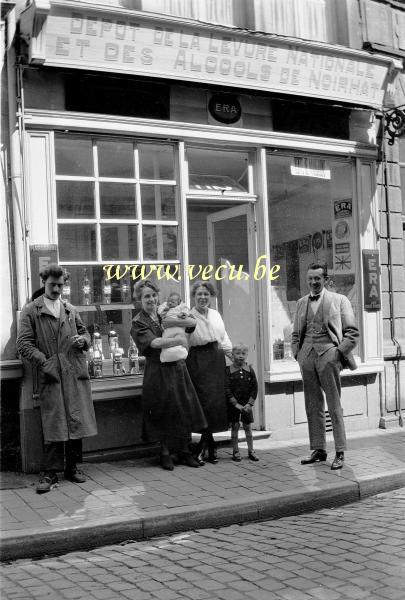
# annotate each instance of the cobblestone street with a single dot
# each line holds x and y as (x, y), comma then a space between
(347, 553)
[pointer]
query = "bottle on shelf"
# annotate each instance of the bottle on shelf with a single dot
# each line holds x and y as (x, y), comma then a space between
(66, 291)
(96, 355)
(125, 291)
(85, 289)
(106, 291)
(112, 338)
(133, 357)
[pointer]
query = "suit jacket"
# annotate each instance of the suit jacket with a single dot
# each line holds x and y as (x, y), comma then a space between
(339, 320)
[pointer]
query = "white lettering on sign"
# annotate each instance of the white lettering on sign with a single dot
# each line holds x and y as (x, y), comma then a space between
(84, 39)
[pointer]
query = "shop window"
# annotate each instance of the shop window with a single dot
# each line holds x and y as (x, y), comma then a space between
(311, 219)
(218, 172)
(116, 203)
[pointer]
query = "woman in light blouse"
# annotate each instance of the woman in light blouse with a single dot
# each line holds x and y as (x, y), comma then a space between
(170, 404)
(208, 345)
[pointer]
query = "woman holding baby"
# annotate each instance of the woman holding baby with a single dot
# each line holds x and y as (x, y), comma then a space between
(170, 404)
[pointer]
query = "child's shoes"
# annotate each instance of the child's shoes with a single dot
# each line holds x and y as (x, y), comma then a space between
(236, 456)
(253, 456)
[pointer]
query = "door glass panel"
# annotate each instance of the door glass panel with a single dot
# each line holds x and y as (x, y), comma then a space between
(231, 248)
(75, 199)
(117, 200)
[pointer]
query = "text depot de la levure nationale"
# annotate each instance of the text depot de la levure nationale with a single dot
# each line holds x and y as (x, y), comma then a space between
(204, 272)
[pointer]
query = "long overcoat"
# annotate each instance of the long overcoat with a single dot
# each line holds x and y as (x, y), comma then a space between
(66, 405)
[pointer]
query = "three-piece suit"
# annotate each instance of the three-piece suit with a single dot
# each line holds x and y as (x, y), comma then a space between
(322, 343)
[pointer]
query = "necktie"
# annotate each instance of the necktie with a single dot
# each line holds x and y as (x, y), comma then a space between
(314, 298)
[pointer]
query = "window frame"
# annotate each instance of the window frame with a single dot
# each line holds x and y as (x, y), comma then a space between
(137, 181)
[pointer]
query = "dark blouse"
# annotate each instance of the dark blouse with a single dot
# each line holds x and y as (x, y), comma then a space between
(143, 331)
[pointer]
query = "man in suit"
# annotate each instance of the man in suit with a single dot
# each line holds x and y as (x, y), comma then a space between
(323, 337)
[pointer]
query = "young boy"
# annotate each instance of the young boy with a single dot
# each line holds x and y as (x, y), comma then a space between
(241, 393)
(176, 318)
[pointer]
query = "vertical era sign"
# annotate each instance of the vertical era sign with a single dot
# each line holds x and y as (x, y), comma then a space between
(371, 279)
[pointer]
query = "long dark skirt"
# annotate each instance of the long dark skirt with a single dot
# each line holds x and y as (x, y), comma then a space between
(206, 365)
(170, 404)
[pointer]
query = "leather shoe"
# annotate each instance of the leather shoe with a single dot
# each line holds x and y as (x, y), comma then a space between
(76, 476)
(212, 455)
(236, 456)
(185, 458)
(166, 462)
(46, 483)
(338, 461)
(315, 456)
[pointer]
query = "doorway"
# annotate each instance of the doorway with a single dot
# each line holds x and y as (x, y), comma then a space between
(229, 242)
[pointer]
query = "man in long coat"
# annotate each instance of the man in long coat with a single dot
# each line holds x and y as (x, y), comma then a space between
(323, 337)
(54, 339)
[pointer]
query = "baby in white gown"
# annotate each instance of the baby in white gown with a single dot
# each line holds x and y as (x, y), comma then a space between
(176, 317)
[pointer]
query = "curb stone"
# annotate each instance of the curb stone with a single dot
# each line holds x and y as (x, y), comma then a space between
(34, 543)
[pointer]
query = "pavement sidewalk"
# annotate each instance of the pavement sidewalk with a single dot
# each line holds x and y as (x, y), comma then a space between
(136, 499)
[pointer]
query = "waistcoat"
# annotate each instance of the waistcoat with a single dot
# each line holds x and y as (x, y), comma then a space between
(316, 333)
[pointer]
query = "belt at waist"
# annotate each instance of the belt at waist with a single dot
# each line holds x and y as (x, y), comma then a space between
(204, 346)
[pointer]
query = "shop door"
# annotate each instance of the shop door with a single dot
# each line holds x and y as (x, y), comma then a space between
(231, 243)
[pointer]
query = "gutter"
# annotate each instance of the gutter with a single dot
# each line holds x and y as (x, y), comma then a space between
(16, 167)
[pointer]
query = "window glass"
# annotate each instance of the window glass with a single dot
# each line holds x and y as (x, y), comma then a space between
(158, 202)
(156, 161)
(117, 200)
(218, 171)
(159, 242)
(77, 242)
(311, 219)
(75, 199)
(83, 194)
(119, 242)
(73, 156)
(115, 159)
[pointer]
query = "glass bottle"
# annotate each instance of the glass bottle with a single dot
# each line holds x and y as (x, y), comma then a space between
(112, 338)
(85, 289)
(97, 353)
(66, 291)
(125, 291)
(106, 291)
(133, 357)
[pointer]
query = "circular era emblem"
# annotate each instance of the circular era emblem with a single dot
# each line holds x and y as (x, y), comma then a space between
(225, 108)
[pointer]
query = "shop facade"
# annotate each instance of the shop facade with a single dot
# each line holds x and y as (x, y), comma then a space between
(153, 146)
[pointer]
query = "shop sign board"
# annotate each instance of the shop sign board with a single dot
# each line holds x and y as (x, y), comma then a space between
(41, 255)
(140, 45)
(371, 280)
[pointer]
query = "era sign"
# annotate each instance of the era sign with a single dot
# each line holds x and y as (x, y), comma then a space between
(225, 108)
(371, 280)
